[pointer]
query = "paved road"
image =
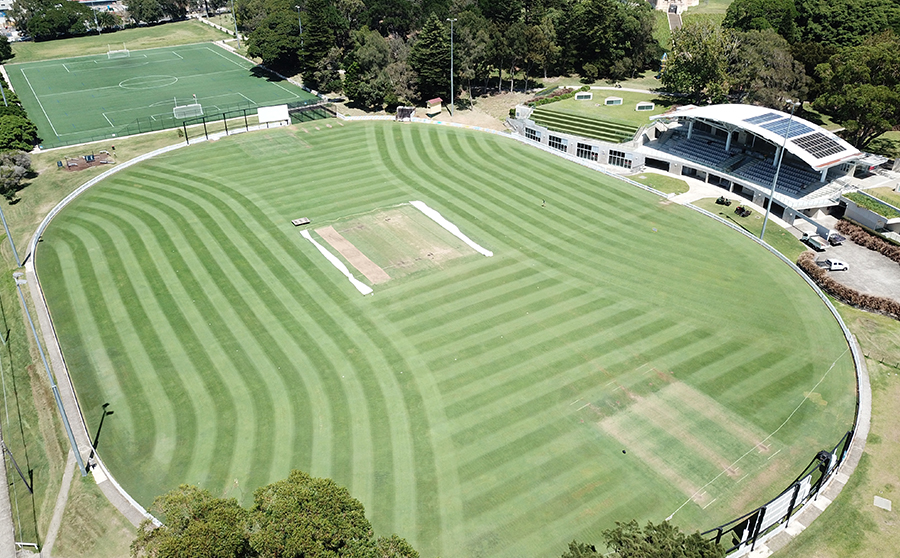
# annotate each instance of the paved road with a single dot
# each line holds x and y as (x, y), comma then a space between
(869, 272)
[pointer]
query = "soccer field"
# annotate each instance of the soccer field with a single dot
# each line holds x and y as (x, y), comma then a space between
(94, 97)
(617, 357)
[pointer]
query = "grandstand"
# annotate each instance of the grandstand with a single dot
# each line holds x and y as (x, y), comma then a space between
(732, 146)
(583, 126)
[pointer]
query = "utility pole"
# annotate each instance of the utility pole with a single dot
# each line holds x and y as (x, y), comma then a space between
(452, 108)
(794, 104)
(234, 19)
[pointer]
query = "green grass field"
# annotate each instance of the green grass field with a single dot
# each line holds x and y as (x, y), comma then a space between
(90, 97)
(478, 406)
(624, 113)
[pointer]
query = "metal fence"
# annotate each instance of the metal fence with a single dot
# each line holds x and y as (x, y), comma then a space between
(244, 109)
(739, 536)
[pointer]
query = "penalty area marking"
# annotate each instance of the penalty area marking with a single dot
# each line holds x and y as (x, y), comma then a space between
(450, 227)
(360, 286)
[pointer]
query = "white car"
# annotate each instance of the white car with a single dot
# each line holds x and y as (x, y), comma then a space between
(836, 265)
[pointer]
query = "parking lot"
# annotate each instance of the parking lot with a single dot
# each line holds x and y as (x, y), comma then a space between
(869, 272)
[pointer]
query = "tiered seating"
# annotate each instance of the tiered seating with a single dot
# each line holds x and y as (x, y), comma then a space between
(791, 180)
(586, 127)
(700, 149)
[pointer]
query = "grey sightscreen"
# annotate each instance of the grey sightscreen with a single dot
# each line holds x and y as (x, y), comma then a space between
(760, 118)
(781, 126)
(819, 145)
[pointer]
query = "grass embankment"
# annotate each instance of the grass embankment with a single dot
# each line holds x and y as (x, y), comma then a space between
(481, 404)
(169, 34)
(852, 526)
(31, 426)
(776, 236)
(884, 193)
(625, 112)
(662, 182)
(873, 205)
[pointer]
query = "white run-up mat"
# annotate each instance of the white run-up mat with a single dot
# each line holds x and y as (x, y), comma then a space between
(360, 286)
(450, 227)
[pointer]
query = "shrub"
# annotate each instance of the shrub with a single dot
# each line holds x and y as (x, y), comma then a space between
(861, 236)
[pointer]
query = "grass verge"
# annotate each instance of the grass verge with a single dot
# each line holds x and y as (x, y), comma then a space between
(91, 525)
(852, 526)
(170, 34)
(662, 182)
(776, 236)
(886, 194)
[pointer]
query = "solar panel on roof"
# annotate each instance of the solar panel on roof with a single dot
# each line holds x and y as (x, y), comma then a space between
(780, 127)
(760, 118)
(819, 145)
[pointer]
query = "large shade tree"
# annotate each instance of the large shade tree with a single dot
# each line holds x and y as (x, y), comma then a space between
(429, 57)
(861, 88)
(698, 63)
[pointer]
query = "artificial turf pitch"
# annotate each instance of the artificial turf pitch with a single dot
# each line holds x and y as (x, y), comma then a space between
(93, 97)
(479, 407)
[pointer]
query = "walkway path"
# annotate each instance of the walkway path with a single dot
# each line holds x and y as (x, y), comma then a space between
(60, 507)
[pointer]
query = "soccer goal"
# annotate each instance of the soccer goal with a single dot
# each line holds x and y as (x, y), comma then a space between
(188, 110)
(121, 53)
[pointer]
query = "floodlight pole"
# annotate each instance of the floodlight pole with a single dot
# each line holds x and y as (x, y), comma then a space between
(452, 108)
(4, 94)
(96, 24)
(9, 236)
(300, 25)
(53, 387)
(778, 167)
(234, 19)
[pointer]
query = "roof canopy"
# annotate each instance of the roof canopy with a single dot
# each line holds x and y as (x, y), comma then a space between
(814, 145)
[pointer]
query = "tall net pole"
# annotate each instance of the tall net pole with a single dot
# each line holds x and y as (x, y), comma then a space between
(452, 108)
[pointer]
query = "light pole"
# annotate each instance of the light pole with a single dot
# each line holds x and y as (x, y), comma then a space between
(452, 108)
(59, 404)
(234, 19)
(300, 25)
(787, 132)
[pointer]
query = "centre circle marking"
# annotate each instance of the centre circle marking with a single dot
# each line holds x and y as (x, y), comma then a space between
(148, 82)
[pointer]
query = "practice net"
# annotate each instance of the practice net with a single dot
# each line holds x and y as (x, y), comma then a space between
(188, 111)
(121, 53)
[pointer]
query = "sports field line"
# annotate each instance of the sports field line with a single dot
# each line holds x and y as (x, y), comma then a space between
(226, 58)
(118, 86)
(178, 55)
(361, 287)
(797, 408)
(280, 87)
(40, 104)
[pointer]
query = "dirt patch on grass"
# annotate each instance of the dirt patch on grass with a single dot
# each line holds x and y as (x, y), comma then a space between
(351, 253)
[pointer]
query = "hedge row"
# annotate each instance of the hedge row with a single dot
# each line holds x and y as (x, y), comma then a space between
(557, 95)
(863, 237)
(879, 304)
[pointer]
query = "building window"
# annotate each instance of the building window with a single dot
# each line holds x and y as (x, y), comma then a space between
(532, 134)
(618, 158)
(586, 151)
(559, 143)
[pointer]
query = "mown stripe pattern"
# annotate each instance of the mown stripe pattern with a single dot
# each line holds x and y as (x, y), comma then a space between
(478, 410)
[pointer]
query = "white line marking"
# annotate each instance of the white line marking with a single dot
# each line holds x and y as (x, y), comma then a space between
(361, 287)
(248, 98)
(178, 55)
(108, 120)
(450, 227)
(287, 90)
(38, 99)
(582, 407)
(790, 416)
(226, 58)
(710, 503)
(774, 454)
(67, 68)
(576, 401)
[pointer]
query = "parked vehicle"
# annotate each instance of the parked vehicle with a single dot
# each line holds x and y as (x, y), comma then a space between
(835, 239)
(723, 201)
(817, 244)
(742, 211)
(833, 265)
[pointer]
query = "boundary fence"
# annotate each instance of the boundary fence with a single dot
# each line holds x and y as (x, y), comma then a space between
(204, 125)
(740, 535)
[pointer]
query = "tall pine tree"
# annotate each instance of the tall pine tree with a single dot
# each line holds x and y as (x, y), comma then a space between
(430, 59)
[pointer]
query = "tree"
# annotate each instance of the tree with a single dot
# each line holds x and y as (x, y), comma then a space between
(323, 30)
(394, 547)
(580, 550)
(14, 167)
(366, 80)
(759, 15)
(763, 72)
(861, 88)
(147, 11)
(17, 133)
(698, 64)
(665, 540)
(308, 517)
(196, 525)
(276, 40)
(843, 23)
(5, 50)
(429, 57)
(401, 76)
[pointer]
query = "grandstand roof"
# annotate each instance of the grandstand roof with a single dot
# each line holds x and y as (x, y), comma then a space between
(809, 142)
